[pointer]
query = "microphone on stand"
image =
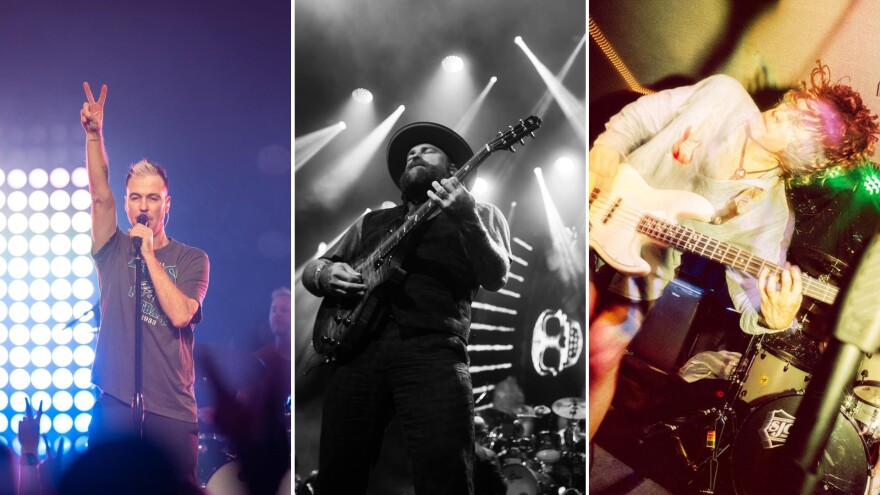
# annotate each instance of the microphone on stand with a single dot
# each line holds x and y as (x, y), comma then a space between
(857, 332)
(137, 241)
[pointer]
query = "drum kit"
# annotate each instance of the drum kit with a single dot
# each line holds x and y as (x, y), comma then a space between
(537, 455)
(765, 390)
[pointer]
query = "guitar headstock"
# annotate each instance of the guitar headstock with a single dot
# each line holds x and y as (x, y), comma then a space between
(515, 134)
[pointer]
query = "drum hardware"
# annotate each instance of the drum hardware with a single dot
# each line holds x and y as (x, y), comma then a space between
(718, 418)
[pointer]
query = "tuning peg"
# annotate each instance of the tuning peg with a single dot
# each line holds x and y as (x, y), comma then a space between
(512, 150)
(522, 142)
(532, 134)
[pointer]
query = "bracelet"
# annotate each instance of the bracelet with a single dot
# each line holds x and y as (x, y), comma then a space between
(318, 276)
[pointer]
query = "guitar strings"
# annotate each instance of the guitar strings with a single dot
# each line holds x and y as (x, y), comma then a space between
(623, 216)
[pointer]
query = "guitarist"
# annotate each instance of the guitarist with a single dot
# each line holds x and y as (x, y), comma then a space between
(711, 139)
(412, 359)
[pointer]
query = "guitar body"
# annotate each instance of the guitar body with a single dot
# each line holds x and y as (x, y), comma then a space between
(340, 322)
(615, 212)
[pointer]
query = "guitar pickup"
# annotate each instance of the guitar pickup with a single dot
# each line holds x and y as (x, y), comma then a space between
(611, 211)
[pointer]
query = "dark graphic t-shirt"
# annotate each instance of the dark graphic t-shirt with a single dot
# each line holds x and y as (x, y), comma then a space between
(168, 373)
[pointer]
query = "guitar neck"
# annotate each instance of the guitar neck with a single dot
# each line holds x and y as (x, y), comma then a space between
(692, 241)
(418, 215)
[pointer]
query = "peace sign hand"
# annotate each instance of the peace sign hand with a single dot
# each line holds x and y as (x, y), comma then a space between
(92, 113)
(29, 428)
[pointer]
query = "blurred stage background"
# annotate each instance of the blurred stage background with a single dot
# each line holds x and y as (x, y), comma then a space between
(399, 51)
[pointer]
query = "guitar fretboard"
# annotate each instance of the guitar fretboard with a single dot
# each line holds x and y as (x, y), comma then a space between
(690, 240)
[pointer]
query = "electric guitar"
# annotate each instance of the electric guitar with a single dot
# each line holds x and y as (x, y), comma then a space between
(341, 321)
(630, 213)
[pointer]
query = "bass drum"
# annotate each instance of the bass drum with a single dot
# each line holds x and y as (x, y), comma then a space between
(522, 480)
(227, 481)
(756, 451)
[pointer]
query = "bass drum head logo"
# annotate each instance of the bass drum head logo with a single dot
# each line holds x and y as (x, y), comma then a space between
(776, 427)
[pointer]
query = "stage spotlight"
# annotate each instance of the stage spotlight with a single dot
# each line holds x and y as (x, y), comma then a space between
(16, 179)
(453, 64)
(564, 165)
(341, 125)
(62, 356)
(362, 95)
(493, 79)
(80, 177)
(82, 378)
(62, 400)
(59, 178)
(82, 423)
(38, 178)
(62, 423)
(481, 187)
(518, 40)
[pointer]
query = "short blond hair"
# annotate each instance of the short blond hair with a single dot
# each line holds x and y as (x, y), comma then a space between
(144, 168)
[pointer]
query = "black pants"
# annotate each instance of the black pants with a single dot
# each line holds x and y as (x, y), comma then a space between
(424, 379)
(112, 418)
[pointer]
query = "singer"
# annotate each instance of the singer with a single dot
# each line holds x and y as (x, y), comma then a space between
(174, 280)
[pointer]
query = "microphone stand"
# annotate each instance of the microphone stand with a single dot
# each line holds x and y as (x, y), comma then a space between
(137, 402)
(857, 332)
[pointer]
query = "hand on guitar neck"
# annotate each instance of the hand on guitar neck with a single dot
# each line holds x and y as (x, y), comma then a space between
(340, 280)
(781, 295)
(452, 197)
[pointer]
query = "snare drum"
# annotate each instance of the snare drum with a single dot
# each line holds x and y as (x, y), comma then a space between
(867, 387)
(772, 372)
(867, 417)
(547, 446)
(756, 457)
(522, 480)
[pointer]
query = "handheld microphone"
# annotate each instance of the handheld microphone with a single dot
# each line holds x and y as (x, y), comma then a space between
(137, 241)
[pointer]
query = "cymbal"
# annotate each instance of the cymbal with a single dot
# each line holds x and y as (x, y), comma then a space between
(524, 411)
(495, 417)
(542, 411)
(570, 408)
(816, 263)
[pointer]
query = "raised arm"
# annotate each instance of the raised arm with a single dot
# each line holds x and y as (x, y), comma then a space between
(103, 202)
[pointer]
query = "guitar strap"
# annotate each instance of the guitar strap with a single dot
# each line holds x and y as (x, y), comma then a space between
(740, 203)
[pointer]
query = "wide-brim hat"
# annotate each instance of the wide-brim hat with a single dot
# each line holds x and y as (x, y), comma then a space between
(456, 148)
